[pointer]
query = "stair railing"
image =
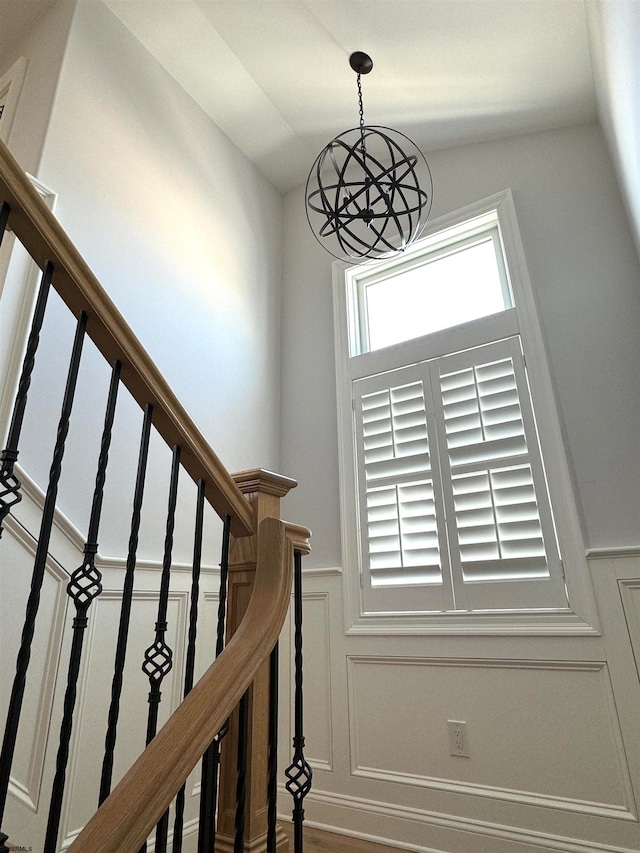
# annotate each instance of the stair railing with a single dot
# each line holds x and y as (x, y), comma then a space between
(141, 800)
(128, 815)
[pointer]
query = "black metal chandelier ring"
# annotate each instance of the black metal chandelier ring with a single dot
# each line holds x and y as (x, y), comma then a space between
(366, 197)
(371, 181)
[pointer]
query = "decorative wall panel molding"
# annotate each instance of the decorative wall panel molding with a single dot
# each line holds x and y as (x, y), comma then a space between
(120, 564)
(322, 572)
(94, 686)
(317, 690)
(613, 553)
(76, 538)
(630, 595)
(31, 490)
(530, 723)
(18, 557)
(505, 624)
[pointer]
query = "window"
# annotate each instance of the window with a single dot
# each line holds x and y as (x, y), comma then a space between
(454, 280)
(447, 508)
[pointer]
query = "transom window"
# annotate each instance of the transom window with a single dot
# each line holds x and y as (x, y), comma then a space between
(451, 279)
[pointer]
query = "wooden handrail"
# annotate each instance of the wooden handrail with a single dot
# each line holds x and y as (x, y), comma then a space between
(43, 237)
(129, 814)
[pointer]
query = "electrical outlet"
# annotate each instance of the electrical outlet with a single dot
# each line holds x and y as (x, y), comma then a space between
(458, 742)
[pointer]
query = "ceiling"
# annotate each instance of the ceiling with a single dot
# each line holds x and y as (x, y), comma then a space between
(17, 17)
(274, 74)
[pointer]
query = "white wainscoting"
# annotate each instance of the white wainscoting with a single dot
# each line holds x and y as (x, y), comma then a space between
(514, 710)
(552, 721)
(432, 832)
(552, 726)
(17, 561)
(630, 594)
(34, 764)
(317, 663)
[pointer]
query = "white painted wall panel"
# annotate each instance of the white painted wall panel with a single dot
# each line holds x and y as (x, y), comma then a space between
(630, 594)
(552, 725)
(16, 564)
(38, 739)
(555, 754)
(528, 725)
(317, 689)
(94, 692)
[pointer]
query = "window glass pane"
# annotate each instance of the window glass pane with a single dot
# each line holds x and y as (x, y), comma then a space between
(449, 289)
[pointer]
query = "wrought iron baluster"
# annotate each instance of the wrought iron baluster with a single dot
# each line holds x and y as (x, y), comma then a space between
(158, 658)
(11, 486)
(299, 773)
(24, 653)
(178, 823)
(241, 786)
(125, 610)
(9, 483)
(272, 780)
(85, 585)
(211, 758)
(5, 210)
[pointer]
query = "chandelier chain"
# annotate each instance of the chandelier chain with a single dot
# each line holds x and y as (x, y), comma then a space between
(361, 109)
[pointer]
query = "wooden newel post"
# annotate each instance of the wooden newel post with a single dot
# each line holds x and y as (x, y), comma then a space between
(263, 489)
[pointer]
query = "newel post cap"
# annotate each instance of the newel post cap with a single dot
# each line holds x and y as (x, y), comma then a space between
(262, 481)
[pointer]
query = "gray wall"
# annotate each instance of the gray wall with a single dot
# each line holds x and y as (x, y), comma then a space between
(585, 275)
(614, 38)
(544, 708)
(43, 48)
(184, 234)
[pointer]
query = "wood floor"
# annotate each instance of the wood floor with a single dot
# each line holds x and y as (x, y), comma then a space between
(317, 841)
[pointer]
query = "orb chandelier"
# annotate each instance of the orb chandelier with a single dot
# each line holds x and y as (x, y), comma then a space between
(369, 191)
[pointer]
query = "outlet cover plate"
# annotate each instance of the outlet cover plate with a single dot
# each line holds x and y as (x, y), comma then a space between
(458, 738)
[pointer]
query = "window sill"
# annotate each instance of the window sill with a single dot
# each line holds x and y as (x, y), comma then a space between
(552, 623)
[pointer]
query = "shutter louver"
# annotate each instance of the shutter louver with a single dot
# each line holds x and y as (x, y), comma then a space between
(483, 423)
(498, 525)
(482, 413)
(403, 539)
(495, 501)
(400, 531)
(401, 518)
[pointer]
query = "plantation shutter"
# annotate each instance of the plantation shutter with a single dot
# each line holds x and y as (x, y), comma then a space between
(401, 517)
(503, 548)
(453, 501)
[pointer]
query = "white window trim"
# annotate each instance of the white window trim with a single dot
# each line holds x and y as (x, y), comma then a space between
(10, 88)
(581, 617)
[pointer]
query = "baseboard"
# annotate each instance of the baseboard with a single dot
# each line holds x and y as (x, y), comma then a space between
(416, 830)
